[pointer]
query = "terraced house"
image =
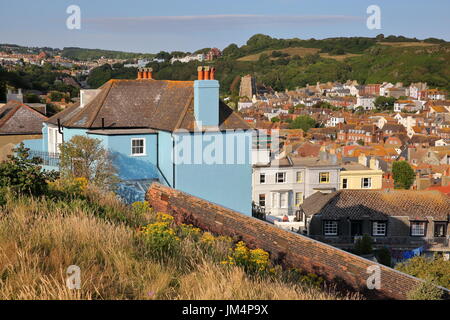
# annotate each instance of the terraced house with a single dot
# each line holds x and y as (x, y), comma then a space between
(281, 186)
(393, 218)
(141, 122)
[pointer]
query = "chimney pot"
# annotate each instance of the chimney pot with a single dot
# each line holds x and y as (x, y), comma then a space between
(206, 73)
(145, 73)
(150, 73)
(201, 74)
(212, 74)
(140, 74)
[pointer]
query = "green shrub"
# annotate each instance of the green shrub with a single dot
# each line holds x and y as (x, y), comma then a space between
(23, 174)
(434, 269)
(160, 237)
(426, 291)
(383, 256)
(2, 196)
(363, 245)
(252, 260)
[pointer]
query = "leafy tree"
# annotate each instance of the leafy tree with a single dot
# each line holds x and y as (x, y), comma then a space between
(23, 174)
(275, 119)
(434, 269)
(164, 55)
(426, 291)
(231, 51)
(385, 103)
(403, 175)
(86, 158)
(303, 122)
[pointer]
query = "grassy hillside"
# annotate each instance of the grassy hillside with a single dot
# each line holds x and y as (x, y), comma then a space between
(129, 253)
(290, 63)
(404, 63)
(299, 51)
(93, 54)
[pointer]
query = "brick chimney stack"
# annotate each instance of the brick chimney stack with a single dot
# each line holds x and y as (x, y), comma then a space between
(206, 73)
(206, 97)
(145, 73)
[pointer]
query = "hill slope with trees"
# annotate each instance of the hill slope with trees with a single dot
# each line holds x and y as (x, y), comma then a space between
(368, 60)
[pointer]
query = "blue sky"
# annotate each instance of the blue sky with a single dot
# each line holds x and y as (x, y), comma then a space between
(151, 26)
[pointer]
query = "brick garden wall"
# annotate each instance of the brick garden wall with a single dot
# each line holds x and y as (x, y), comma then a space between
(286, 248)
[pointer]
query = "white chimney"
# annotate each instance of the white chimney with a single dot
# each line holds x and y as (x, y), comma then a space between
(87, 95)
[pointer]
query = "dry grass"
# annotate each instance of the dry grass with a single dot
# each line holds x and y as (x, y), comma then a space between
(291, 51)
(408, 44)
(40, 238)
(340, 57)
(302, 52)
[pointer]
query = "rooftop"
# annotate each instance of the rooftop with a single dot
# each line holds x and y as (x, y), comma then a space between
(154, 104)
(379, 204)
(17, 118)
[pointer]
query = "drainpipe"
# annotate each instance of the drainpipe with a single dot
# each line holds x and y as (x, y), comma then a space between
(173, 160)
(157, 161)
(59, 127)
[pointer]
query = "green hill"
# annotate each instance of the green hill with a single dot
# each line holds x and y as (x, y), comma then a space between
(290, 63)
(93, 54)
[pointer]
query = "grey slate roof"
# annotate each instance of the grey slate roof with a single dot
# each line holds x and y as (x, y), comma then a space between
(156, 104)
(378, 205)
(17, 118)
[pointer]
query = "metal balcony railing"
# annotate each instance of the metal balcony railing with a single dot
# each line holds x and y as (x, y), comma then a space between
(48, 158)
(258, 211)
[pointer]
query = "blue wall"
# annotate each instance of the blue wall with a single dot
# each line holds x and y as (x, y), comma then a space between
(165, 145)
(132, 167)
(206, 102)
(129, 167)
(226, 182)
(229, 185)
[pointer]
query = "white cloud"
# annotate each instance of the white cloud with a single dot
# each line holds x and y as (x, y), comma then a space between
(211, 22)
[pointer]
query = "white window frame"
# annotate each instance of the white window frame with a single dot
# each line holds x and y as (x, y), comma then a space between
(283, 200)
(265, 200)
(298, 198)
(299, 176)
(284, 177)
(415, 228)
(324, 173)
(54, 140)
(379, 228)
(330, 227)
(143, 147)
(369, 183)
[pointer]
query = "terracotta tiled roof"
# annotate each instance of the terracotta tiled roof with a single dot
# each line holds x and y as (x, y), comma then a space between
(156, 104)
(379, 204)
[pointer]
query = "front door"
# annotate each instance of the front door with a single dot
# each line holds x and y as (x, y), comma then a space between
(356, 228)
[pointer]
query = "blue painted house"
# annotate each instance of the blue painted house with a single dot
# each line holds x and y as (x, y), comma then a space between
(176, 132)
